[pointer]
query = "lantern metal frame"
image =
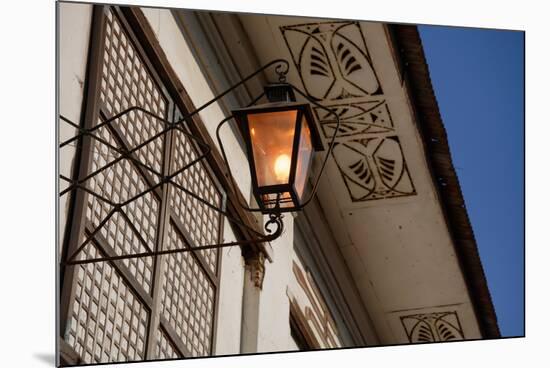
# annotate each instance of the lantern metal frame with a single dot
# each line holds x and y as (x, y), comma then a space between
(303, 110)
(273, 226)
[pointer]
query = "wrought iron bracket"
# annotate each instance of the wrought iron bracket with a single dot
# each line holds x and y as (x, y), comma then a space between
(273, 227)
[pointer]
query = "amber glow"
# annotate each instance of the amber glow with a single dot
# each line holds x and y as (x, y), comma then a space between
(280, 159)
(282, 167)
(272, 135)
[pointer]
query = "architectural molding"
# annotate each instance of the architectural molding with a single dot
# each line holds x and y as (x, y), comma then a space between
(322, 255)
(255, 265)
(298, 322)
(317, 314)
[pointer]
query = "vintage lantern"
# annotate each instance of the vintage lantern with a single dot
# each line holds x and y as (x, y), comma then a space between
(281, 138)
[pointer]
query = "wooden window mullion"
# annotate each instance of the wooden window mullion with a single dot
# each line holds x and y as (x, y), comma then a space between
(158, 264)
(76, 216)
(198, 255)
(124, 271)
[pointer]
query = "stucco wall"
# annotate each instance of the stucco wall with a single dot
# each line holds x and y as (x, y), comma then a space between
(74, 37)
(274, 329)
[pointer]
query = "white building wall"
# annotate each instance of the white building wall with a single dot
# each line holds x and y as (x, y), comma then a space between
(189, 73)
(228, 338)
(74, 38)
(273, 325)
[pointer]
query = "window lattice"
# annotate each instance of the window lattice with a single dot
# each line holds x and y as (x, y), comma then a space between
(201, 222)
(108, 322)
(187, 300)
(164, 348)
(126, 82)
(118, 183)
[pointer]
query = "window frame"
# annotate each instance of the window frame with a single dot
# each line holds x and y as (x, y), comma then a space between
(140, 33)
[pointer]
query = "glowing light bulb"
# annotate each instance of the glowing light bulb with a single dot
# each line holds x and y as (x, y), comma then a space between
(282, 167)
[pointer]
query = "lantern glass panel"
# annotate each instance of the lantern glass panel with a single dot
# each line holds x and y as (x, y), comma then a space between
(272, 135)
(305, 150)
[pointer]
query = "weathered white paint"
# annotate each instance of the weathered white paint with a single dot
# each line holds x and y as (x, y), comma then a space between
(274, 326)
(250, 313)
(188, 71)
(229, 298)
(316, 246)
(306, 299)
(74, 35)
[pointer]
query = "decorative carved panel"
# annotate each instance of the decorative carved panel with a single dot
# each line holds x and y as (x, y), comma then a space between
(332, 59)
(432, 327)
(373, 168)
(335, 68)
(356, 118)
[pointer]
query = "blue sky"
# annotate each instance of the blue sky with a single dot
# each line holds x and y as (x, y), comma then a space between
(478, 79)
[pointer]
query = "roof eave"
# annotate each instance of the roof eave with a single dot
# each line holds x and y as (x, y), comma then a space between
(410, 57)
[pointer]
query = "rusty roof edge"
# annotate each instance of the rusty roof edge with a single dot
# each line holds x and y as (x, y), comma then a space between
(412, 62)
